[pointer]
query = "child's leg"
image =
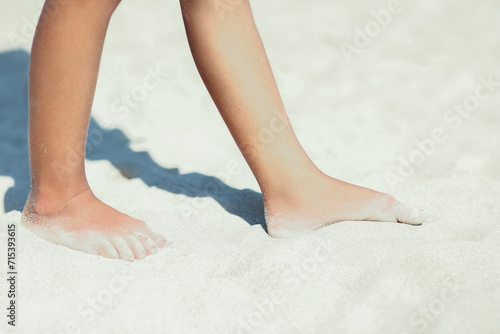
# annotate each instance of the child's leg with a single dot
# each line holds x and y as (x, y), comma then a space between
(298, 197)
(61, 207)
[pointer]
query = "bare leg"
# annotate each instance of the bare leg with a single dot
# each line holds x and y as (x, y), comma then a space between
(61, 207)
(298, 197)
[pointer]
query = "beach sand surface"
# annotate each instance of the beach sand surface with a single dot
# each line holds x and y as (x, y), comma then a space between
(383, 116)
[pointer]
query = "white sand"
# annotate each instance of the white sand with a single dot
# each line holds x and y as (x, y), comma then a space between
(225, 274)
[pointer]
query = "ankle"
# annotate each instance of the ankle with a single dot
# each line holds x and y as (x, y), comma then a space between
(290, 192)
(49, 202)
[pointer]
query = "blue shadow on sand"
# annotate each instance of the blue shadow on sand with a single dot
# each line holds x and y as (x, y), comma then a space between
(114, 147)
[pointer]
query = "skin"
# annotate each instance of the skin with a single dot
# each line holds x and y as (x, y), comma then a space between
(298, 197)
(61, 207)
(232, 63)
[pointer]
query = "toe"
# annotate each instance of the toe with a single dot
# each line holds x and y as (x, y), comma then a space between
(158, 239)
(408, 214)
(107, 250)
(148, 244)
(123, 249)
(136, 247)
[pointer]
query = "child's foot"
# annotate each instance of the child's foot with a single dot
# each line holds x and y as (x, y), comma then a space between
(87, 224)
(319, 200)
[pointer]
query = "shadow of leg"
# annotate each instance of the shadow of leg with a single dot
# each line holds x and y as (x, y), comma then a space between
(14, 160)
(115, 147)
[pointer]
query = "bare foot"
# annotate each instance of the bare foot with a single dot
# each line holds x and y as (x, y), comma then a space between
(320, 200)
(87, 224)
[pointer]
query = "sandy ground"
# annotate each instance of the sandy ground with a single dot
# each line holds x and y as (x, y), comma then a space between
(378, 110)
